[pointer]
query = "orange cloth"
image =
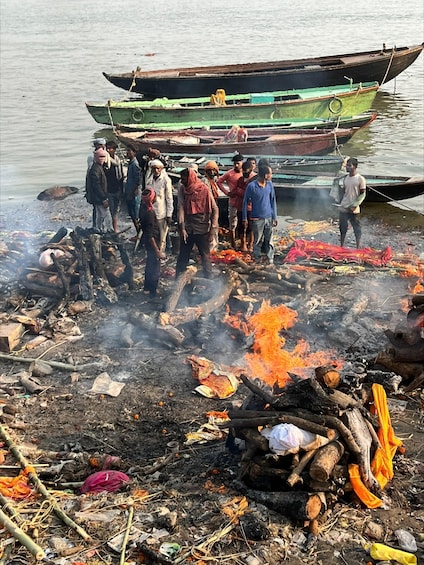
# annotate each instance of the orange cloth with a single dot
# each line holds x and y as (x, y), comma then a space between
(367, 497)
(16, 487)
(382, 463)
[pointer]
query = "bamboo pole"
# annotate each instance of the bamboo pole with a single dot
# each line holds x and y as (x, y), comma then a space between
(127, 534)
(22, 537)
(40, 487)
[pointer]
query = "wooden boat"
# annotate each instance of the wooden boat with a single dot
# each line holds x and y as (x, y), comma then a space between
(324, 163)
(379, 188)
(312, 103)
(359, 120)
(381, 65)
(265, 141)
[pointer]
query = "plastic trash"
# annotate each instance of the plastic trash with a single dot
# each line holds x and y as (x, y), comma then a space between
(379, 552)
(406, 540)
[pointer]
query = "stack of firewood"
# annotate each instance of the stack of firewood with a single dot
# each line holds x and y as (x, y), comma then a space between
(344, 431)
(85, 266)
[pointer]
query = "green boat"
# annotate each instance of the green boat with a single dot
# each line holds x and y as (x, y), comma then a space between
(219, 109)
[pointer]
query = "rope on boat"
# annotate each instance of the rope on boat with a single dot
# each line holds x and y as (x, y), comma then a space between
(394, 200)
(110, 116)
(388, 67)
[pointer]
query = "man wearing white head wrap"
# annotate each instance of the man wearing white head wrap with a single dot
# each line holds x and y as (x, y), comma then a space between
(161, 183)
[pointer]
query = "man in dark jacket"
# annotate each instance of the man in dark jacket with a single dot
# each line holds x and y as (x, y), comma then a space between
(96, 192)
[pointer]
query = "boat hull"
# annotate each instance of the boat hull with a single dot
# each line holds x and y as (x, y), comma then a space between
(319, 103)
(380, 65)
(296, 142)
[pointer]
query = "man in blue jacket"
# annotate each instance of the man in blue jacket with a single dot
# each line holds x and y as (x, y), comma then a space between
(260, 194)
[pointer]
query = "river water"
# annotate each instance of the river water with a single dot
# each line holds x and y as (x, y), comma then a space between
(53, 55)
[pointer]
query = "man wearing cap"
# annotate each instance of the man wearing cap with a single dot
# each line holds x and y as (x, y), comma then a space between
(96, 192)
(228, 183)
(163, 205)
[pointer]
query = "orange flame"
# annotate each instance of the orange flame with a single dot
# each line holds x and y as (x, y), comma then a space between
(269, 361)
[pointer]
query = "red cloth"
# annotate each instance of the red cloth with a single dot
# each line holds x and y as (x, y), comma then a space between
(196, 195)
(109, 481)
(148, 196)
(303, 249)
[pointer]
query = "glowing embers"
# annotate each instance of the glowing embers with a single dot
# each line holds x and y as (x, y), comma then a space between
(270, 361)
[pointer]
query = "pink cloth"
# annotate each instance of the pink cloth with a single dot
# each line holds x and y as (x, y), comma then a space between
(196, 195)
(109, 481)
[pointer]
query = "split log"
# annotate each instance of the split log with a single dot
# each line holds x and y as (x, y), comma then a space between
(180, 283)
(128, 274)
(326, 458)
(185, 315)
(360, 432)
(164, 332)
(295, 477)
(405, 370)
(299, 505)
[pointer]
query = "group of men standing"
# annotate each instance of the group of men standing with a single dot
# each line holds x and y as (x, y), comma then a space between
(148, 193)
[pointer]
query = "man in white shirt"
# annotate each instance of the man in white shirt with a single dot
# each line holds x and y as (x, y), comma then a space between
(353, 193)
(161, 183)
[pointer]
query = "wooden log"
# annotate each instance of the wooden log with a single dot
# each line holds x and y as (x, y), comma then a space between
(417, 299)
(301, 423)
(63, 277)
(186, 315)
(295, 477)
(311, 280)
(167, 332)
(405, 370)
(10, 336)
(105, 292)
(417, 382)
(299, 505)
(328, 376)
(180, 283)
(358, 306)
(325, 459)
(128, 274)
(85, 279)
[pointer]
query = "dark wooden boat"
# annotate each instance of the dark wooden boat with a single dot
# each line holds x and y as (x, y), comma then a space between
(381, 65)
(379, 188)
(329, 164)
(266, 141)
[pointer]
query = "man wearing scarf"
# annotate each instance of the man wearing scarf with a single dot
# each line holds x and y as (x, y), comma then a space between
(161, 183)
(151, 240)
(197, 220)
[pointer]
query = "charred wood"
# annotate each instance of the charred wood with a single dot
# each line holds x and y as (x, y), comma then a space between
(167, 332)
(404, 369)
(299, 505)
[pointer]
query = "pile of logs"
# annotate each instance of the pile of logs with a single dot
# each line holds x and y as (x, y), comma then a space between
(344, 431)
(85, 266)
(405, 354)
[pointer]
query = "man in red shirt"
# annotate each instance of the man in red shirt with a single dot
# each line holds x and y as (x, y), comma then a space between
(227, 183)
